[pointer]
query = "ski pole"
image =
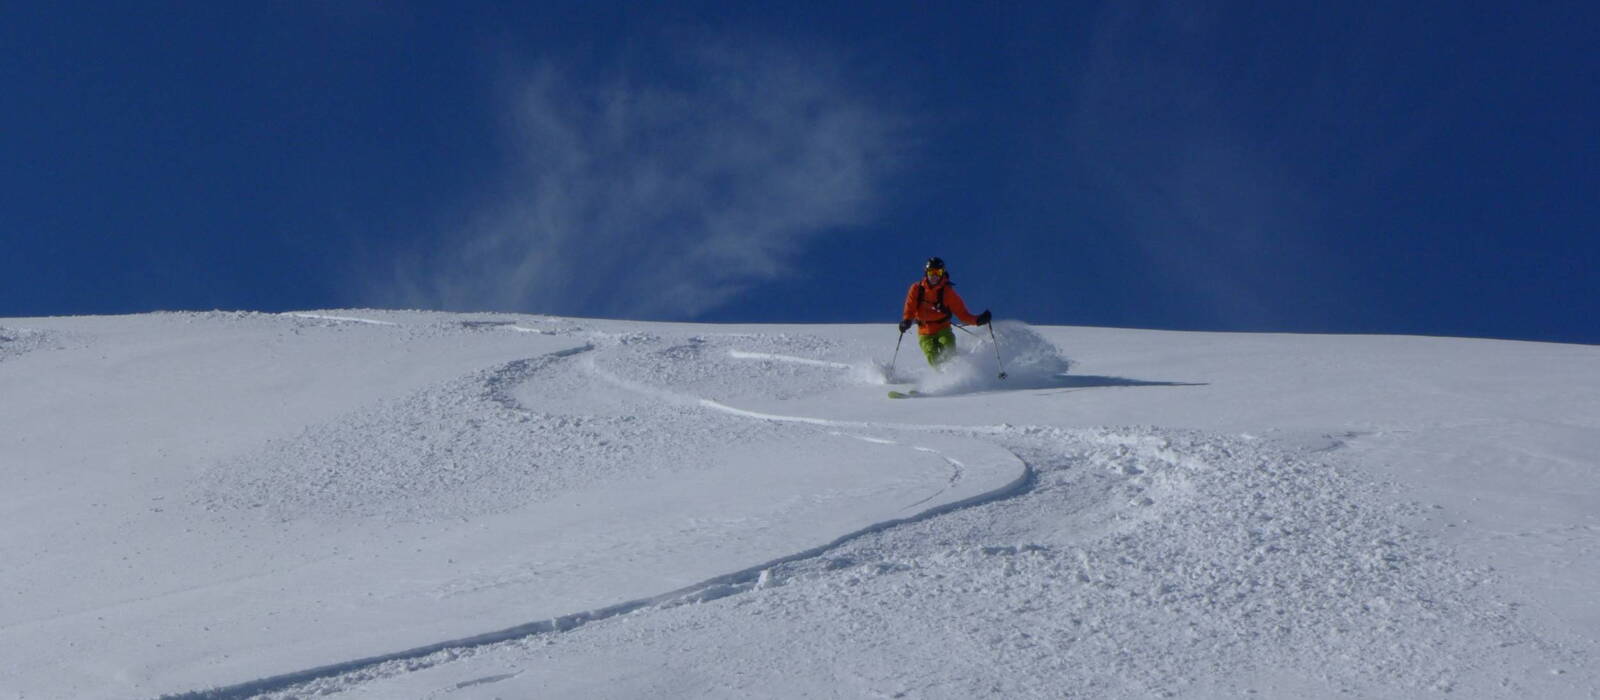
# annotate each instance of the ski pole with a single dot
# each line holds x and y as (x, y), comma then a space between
(896, 355)
(997, 361)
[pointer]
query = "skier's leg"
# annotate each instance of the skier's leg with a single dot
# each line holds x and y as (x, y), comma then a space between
(947, 344)
(930, 348)
(939, 346)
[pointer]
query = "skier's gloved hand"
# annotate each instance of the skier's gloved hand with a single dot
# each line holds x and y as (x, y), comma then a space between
(904, 324)
(983, 318)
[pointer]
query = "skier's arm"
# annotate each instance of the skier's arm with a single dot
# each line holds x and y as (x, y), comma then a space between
(910, 311)
(953, 301)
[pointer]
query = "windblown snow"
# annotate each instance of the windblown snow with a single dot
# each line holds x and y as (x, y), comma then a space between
(392, 504)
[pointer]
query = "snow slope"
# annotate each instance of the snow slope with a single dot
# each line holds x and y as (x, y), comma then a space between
(404, 504)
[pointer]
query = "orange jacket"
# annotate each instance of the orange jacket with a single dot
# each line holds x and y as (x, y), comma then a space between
(932, 318)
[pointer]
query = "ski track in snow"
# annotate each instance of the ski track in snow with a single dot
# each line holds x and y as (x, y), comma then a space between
(1262, 556)
(743, 355)
(340, 319)
(1153, 558)
(334, 677)
(498, 385)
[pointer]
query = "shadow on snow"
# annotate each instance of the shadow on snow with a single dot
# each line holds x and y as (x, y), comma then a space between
(1089, 381)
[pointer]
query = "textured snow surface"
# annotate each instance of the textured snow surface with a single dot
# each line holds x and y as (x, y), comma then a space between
(402, 504)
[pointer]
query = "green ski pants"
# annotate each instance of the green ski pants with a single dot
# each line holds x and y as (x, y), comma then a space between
(939, 346)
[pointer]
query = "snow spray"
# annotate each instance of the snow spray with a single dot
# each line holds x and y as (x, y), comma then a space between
(1030, 361)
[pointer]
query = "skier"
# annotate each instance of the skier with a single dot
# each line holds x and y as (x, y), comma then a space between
(930, 303)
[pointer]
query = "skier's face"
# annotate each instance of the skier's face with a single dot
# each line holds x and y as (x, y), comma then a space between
(933, 276)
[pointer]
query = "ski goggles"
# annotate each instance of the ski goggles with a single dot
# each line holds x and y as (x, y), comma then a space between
(936, 272)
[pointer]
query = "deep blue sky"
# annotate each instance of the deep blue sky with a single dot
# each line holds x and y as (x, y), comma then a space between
(1349, 167)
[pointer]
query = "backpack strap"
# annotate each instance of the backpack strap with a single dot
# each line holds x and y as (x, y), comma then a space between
(938, 303)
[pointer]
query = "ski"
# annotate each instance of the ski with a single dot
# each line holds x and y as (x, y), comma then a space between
(904, 394)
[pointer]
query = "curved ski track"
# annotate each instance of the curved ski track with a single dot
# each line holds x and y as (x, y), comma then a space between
(497, 386)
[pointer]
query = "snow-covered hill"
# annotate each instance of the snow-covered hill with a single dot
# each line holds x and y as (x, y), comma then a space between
(405, 504)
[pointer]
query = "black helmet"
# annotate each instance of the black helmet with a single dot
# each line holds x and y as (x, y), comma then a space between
(934, 264)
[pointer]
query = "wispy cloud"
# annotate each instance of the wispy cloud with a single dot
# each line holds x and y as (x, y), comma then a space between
(666, 192)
